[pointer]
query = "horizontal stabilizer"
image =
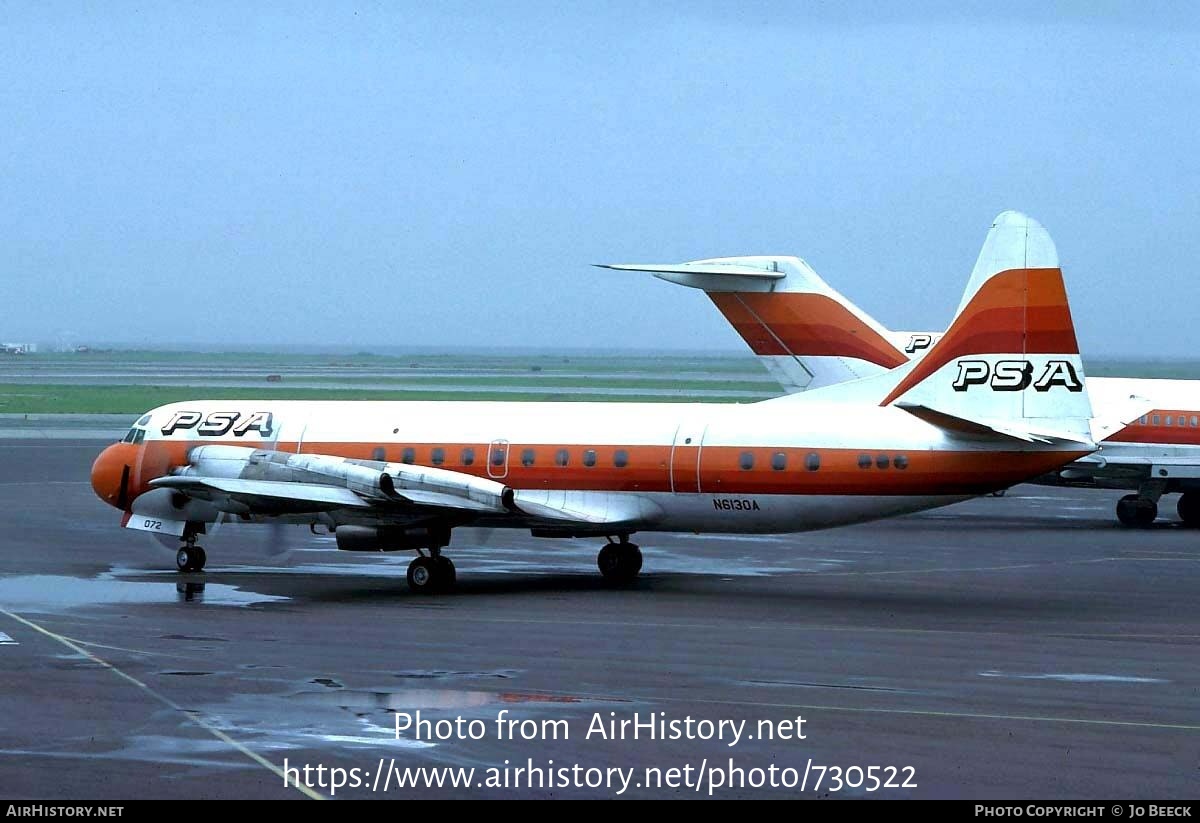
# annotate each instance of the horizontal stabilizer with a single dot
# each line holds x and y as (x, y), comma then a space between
(708, 267)
(1005, 428)
(1117, 413)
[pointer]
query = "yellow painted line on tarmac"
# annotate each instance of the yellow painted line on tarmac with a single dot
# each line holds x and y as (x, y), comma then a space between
(194, 716)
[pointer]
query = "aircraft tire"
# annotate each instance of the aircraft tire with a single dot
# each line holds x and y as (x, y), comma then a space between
(1189, 508)
(446, 572)
(190, 559)
(1136, 512)
(619, 562)
(424, 575)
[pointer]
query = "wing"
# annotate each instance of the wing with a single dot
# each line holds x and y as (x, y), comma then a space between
(260, 482)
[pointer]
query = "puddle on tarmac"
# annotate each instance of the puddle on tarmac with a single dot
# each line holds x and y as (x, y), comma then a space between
(1075, 677)
(437, 674)
(45, 592)
(360, 701)
(358, 718)
(796, 684)
(185, 674)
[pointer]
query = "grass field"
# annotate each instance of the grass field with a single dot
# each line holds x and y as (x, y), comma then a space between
(61, 399)
(649, 364)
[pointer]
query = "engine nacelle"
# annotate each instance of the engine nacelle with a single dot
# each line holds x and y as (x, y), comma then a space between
(390, 538)
(370, 479)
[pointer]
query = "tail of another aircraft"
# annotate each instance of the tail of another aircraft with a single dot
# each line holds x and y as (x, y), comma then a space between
(806, 333)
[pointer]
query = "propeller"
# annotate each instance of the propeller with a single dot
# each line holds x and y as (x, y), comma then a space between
(272, 542)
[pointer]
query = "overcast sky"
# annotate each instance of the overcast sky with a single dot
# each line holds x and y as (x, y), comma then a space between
(440, 174)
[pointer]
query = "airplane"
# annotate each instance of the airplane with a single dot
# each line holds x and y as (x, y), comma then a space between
(809, 336)
(387, 476)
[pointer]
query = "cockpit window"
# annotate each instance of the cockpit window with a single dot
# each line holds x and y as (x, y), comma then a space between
(129, 437)
(143, 421)
(138, 436)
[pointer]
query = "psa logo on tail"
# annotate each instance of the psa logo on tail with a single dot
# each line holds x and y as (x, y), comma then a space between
(1017, 375)
(920, 342)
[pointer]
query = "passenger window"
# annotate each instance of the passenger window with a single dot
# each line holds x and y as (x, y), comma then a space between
(562, 457)
(1170, 421)
(746, 461)
(779, 461)
(882, 462)
(864, 461)
(497, 457)
(438, 456)
(900, 461)
(1142, 419)
(812, 461)
(527, 457)
(409, 455)
(589, 458)
(1155, 420)
(1195, 421)
(468, 456)
(620, 458)
(378, 453)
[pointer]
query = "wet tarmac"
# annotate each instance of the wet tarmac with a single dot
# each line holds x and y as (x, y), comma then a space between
(1015, 647)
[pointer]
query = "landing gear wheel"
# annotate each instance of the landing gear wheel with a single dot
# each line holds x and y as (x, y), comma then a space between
(1136, 511)
(1189, 508)
(190, 558)
(446, 573)
(427, 575)
(619, 562)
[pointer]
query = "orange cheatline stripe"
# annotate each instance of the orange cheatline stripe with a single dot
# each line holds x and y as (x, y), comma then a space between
(1181, 432)
(803, 324)
(1014, 312)
(648, 467)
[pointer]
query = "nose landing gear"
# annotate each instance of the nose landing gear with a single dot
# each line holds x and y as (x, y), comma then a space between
(190, 557)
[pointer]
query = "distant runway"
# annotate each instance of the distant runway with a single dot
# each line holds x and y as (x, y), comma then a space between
(1012, 647)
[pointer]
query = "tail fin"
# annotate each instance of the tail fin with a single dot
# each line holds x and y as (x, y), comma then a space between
(1009, 361)
(806, 333)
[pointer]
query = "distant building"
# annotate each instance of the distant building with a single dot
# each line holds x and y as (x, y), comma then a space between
(18, 348)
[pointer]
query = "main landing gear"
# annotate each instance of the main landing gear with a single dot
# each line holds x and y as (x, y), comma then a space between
(431, 573)
(1140, 510)
(1189, 509)
(1137, 512)
(620, 562)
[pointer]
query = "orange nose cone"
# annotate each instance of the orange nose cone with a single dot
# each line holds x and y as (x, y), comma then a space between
(112, 474)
